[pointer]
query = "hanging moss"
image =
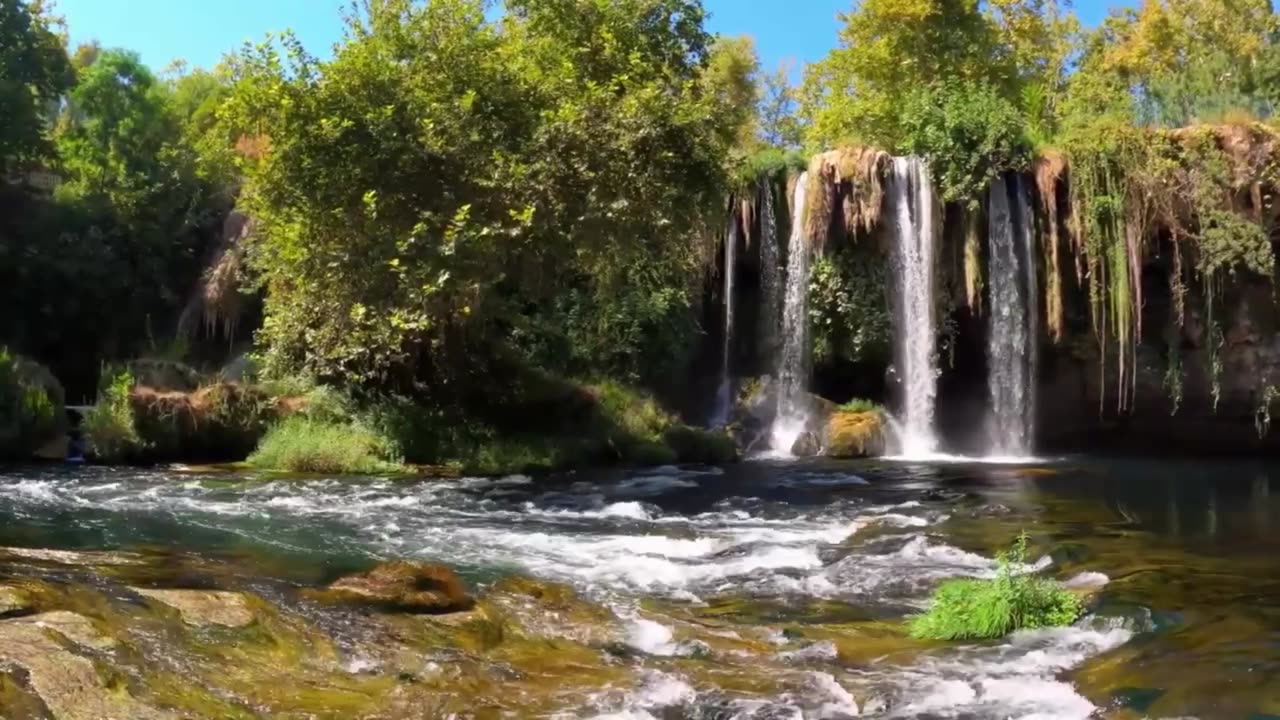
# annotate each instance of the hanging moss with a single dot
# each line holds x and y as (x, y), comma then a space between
(1049, 169)
(973, 265)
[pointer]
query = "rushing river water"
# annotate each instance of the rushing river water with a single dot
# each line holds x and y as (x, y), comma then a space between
(777, 590)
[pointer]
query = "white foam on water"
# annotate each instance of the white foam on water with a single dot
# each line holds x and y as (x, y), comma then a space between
(1088, 580)
(1015, 679)
(838, 702)
(934, 458)
(652, 638)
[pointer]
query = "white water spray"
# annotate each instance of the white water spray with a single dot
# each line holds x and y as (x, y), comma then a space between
(1011, 340)
(793, 361)
(915, 214)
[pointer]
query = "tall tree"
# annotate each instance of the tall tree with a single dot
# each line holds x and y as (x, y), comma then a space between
(34, 73)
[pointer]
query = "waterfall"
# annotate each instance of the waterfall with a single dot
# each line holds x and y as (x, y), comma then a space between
(1012, 337)
(793, 361)
(914, 210)
(724, 394)
(770, 272)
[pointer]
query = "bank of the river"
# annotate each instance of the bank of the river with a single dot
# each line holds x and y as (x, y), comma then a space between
(757, 590)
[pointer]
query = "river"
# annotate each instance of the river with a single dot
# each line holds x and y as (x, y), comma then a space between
(768, 589)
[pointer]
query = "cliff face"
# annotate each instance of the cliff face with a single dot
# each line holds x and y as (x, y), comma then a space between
(1173, 408)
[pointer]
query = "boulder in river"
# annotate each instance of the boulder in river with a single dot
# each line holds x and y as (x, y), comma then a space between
(403, 586)
(806, 445)
(854, 434)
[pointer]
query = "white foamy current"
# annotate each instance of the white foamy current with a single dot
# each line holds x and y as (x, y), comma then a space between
(685, 535)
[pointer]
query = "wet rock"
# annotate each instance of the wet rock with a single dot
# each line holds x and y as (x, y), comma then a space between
(403, 586)
(13, 602)
(66, 682)
(204, 608)
(71, 557)
(854, 435)
(76, 628)
(806, 445)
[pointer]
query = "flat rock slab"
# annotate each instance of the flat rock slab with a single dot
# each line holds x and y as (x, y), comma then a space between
(68, 683)
(203, 608)
(76, 628)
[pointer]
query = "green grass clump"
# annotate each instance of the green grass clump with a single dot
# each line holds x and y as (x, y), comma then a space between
(110, 426)
(302, 445)
(981, 609)
(858, 405)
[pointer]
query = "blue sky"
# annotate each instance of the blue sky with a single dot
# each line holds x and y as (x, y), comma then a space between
(200, 31)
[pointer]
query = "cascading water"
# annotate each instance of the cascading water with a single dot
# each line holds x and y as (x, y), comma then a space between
(914, 211)
(793, 360)
(770, 272)
(724, 394)
(1011, 340)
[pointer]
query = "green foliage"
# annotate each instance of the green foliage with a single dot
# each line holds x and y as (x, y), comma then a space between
(30, 406)
(849, 307)
(110, 426)
(969, 132)
(301, 445)
(34, 72)
(888, 48)
(536, 183)
(858, 405)
(981, 609)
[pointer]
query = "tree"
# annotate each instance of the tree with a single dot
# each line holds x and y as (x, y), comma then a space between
(450, 189)
(779, 125)
(731, 80)
(34, 73)
(887, 49)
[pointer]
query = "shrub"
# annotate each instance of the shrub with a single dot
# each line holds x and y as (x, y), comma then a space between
(978, 609)
(110, 426)
(220, 421)
(30, 406)
(298, 444)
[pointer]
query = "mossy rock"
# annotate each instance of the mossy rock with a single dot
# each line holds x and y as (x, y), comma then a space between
(31, 407)
(402, 586)
(854, 435)
(694, 445)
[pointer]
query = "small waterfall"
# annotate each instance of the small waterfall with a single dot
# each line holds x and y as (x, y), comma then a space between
(915, 211)
(724, 394)
(793, 361)
(1011, 340)
(770, 272)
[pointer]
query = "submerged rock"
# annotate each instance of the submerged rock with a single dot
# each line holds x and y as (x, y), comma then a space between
(204, 608)
(854, 435)
(403, 586)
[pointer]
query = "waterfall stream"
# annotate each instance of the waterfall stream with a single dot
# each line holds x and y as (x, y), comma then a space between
(1011, 340)
(793, 361)
(915, 214)
(724, 395)
(771, 282)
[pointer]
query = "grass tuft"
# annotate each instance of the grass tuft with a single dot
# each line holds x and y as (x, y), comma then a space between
(302, 445)
(980, 609)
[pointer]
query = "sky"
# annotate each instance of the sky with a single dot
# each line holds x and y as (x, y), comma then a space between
(201, 31)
